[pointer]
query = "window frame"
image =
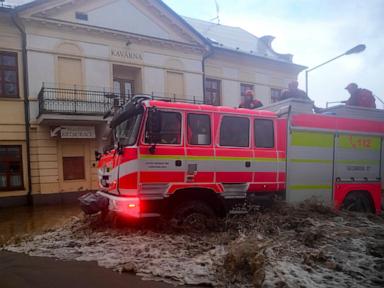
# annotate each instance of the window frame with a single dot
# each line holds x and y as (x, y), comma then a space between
(210, 130)
(21, 187)
(273, 133)
(249, 132)
(9, 68)
(276, 98)
(144, 123)
(245, 87)
(210, 90)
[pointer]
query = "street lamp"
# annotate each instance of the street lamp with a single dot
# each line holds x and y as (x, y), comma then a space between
(357, 49)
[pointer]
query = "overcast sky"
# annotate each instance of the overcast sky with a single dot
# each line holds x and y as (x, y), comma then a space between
(314, 31)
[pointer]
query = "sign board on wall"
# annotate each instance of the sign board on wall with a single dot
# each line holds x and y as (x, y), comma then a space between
(78, 132)
(126, 55)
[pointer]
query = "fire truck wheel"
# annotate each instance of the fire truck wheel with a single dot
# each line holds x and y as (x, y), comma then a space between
(358, 201)
(194, 214)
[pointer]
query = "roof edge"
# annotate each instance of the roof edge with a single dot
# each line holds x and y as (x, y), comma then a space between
(300, 67)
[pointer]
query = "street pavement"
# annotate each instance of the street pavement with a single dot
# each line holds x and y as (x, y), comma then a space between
(23, 271)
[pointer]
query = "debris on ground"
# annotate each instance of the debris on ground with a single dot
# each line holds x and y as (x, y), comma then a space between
(308, 245)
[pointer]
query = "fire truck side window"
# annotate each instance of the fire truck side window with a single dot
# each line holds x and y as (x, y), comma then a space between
(234, 131)
(199, 129)
(264, 133)
(170, 128)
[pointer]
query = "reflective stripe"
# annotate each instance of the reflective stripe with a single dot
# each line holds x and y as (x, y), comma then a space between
(375, 162)
(312, 139)
(311, 161)
(309, 187)
(212, 158)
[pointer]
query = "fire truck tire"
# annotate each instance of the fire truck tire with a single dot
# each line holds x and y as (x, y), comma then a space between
(193, 214)
(358, 201)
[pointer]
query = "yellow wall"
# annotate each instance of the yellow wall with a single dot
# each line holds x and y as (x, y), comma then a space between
(46, 162)
(12, 128)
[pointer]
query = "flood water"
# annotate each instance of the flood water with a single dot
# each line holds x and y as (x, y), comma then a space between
(19, 221)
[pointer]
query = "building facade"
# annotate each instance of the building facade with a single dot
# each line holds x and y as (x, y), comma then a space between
(64, 62)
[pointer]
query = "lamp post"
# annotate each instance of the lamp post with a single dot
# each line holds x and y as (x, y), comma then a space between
(357, 49)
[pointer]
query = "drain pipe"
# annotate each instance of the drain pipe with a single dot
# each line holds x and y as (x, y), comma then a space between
(205, 57)
(21, 28)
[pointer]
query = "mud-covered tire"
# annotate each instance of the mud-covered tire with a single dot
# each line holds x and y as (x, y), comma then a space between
(358, 201)
(194, 215)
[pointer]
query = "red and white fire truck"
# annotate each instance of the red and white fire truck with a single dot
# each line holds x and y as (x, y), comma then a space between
(186, 160)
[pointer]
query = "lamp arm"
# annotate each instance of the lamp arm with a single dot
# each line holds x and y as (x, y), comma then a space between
(309, 70)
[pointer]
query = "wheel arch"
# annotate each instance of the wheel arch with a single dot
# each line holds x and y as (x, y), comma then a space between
(351, 194)
(341, 190)
(205, 195)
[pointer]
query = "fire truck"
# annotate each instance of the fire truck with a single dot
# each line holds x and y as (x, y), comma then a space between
(192, 161)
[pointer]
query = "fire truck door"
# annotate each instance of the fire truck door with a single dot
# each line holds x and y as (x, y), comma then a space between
(163, 163)
(199, 149)
(233, 153)
(310, 165)
(265, 162)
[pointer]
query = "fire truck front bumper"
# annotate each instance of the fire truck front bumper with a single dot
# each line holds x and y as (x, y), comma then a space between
(124, 206)
(128, 207)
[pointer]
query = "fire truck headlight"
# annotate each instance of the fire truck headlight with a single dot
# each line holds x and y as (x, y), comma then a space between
(104, 183)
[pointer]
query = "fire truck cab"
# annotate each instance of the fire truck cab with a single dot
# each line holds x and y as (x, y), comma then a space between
(187, 160)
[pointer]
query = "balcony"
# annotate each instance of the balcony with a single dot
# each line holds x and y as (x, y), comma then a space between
(74, 104)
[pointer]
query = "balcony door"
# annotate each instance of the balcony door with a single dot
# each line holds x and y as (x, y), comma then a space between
(175, 85)
(124, 88)
(70, 81)
(70, 72)
(126, 81)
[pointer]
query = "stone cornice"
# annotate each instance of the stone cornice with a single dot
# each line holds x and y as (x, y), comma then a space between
(114, 34)
(170, 18)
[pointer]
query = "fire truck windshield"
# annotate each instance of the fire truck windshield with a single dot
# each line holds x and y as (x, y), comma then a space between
(126, 132)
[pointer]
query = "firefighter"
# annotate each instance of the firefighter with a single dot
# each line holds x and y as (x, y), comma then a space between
(294, 92)
(360, 96)
(249, 102)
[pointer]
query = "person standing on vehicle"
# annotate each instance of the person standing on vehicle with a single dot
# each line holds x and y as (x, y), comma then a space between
(360, 97)
(249, 102)
(293, 92)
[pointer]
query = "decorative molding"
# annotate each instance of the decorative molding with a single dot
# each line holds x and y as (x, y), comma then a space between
(124, 36)
(267, 41)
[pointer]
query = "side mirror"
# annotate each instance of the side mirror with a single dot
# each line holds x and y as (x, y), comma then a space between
(153, 126)
(97, 155)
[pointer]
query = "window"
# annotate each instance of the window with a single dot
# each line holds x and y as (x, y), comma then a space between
(244, 88)
(126, 132)
(73, 168)
(169, 130)
(8, 75)
(199, 129)
(81, 16)
(234, 131)
(264, 133)
(275, 95)
(212, 92)
(11, 172)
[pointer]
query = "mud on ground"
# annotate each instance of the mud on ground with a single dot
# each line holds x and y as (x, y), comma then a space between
(303, 246)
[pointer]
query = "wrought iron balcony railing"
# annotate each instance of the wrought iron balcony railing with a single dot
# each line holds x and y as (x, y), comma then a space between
(74, 101)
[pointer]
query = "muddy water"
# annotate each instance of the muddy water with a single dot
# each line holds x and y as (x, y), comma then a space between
(19, 221)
